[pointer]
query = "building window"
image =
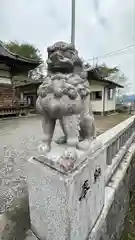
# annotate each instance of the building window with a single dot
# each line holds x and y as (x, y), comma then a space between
(96, 95)
(110, 93)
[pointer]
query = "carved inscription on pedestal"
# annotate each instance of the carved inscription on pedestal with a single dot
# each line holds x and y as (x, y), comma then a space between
(85, 188)
(97, 174)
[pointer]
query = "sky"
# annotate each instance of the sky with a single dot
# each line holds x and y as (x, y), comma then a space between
(102, 26)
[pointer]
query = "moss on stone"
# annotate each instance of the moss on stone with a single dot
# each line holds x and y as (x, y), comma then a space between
(129, 227)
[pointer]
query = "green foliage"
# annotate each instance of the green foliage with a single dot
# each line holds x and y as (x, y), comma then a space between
(24, 49)
(106, 71)
(103, 69)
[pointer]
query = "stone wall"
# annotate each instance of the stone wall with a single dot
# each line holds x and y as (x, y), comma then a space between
(14, 222)
(118, 191)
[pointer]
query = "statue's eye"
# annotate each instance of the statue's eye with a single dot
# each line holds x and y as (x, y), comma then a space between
(51, 52)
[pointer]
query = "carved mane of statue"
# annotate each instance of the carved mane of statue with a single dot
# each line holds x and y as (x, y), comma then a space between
(65, 95)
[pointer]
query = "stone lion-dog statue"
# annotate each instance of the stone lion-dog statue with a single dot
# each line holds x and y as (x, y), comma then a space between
(64, 95)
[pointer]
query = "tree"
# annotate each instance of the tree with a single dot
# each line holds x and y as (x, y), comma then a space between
(115, 75)
(107, 71)
(24, 49)
(39, 72)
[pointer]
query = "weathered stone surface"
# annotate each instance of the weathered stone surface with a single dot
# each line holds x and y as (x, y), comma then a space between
(65, 205)
(111, 222)
(30, 236)
(64, 95)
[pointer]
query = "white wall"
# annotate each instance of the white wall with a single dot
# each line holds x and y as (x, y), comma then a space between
(97, 105)
(110, 105)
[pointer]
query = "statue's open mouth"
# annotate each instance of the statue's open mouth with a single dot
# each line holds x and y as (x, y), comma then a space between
(58, 63)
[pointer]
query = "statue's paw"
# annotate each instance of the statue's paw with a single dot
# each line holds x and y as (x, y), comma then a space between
(84, 145)
(61, 140)
(44, 148)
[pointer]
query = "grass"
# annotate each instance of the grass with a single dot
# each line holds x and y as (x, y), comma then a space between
(106, 122)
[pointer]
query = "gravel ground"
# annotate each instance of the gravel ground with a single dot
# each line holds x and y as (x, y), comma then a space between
(19, 139)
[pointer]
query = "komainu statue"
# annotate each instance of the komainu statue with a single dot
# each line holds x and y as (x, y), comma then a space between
(64, 95)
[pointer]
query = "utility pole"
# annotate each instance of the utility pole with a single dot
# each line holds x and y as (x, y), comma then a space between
(73, 23)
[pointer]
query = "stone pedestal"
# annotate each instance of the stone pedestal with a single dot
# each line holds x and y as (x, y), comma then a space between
(64, 205)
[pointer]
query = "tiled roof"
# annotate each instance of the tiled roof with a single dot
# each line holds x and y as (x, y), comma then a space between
(98, 74)
(27, 82)
(6, 53)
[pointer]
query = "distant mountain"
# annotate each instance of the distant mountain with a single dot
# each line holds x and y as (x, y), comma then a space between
(125, 99)
(129, 98)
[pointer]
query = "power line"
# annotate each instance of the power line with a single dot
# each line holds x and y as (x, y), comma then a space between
(117, 52)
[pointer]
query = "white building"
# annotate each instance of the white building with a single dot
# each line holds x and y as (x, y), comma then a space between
(103, 92)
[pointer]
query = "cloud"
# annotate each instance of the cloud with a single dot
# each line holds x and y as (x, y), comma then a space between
(102, 26)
